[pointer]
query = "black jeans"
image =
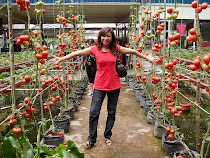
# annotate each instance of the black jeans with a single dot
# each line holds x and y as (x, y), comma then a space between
(97, 100)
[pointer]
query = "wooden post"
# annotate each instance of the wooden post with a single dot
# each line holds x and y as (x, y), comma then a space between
(198, 88)
(11, 50)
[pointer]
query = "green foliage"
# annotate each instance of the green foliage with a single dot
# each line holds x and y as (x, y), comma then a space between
(11, 144)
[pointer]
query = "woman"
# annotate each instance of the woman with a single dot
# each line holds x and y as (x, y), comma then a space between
(90, 64)
(106, 81)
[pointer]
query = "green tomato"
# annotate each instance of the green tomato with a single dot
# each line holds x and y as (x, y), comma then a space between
(170, 17)
(44, 71)
(175, 16)
(25, 43)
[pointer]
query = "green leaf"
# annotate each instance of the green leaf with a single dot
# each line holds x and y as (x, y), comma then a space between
(27, 154)
(7, 150)
(15, 144)
(68, 155)
(46, 150)
(208, 138)
(61, 147)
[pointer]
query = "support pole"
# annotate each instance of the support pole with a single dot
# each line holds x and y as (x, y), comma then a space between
(11, 50)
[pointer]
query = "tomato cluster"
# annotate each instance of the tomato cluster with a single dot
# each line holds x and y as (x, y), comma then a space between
(174, 39)
(12, 120)
(198, 8)
(197, 63)
(171, 65)
(193, 35)
(173, 13)
(22, 5)
(170, 131)
(24, 40)
(160, 28)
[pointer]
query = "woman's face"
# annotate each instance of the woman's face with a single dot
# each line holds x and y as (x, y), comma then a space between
(106, 39)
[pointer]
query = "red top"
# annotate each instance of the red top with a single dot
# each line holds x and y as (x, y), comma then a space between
(106, 78)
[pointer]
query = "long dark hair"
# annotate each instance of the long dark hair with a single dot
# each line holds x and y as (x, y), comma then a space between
(112, 45)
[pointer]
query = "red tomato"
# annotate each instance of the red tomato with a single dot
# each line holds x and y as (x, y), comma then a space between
(170, 64)
(49, 135)
(57, 97)
(174, 61)
(44, 47)
(19, 42)
(27, 2)
(142, 26)
(51, 103)
(193, 31)
(170, 136)
(193, 38)
(64, 143)
(188, 38)
(60, 133)
(206, 59)
(26, 100)
(38, 56)
(42, 61)
(16, 130)
(30, 104)
(172, 131)
(43, 11)
(27, 78)
(168, 130)
(204, 5)
(177, 36)
(173, 111)
(22, 7)
(194, 4)
(171, 38)
(196, 62)
(45, 54)
(180, 156)
(27, 38)
(20, 2)
(170, 10)
(199, 9)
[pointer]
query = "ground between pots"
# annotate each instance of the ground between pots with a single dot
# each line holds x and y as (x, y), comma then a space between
(132, 136)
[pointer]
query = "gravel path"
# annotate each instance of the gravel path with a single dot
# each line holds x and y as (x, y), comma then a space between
(132, 136)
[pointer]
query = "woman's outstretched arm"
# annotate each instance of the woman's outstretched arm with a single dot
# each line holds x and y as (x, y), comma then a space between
(83, 52)
(124, 50)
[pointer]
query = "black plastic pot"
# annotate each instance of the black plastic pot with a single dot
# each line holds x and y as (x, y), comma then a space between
(147, 108)
(151, 118)
(63, 123)
(70, 113)
(128, 77)
(54, 140)
(75, 98)
(159, 130)
(185, 153)
(172, 146)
